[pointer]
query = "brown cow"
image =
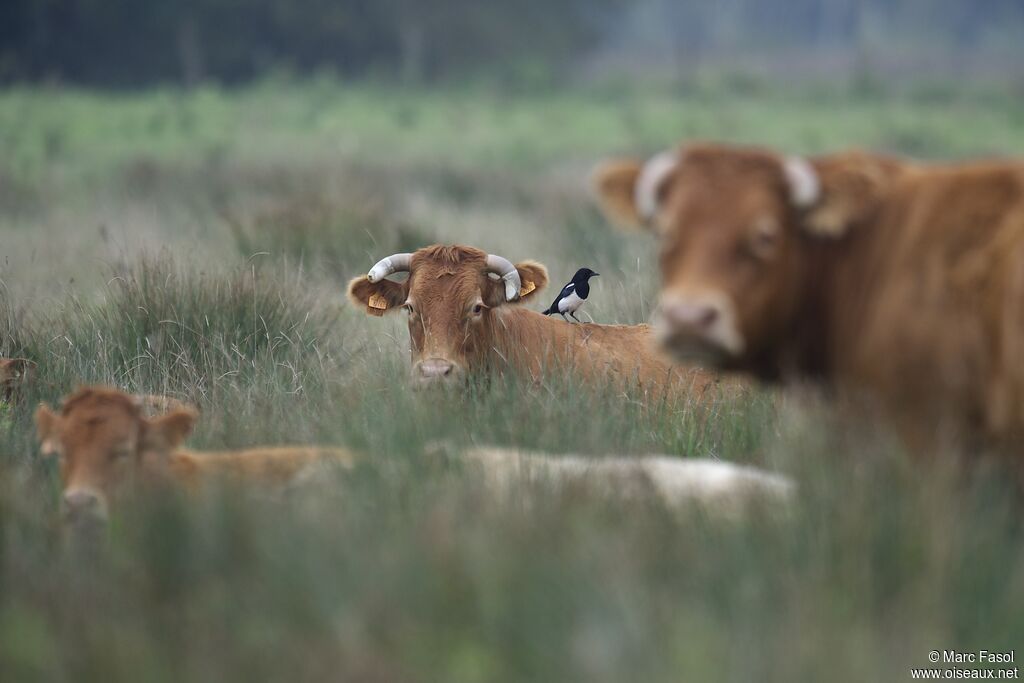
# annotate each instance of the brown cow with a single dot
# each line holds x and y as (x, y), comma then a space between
(897, 281)
(461, 322)
(107, 446)
(14, 372)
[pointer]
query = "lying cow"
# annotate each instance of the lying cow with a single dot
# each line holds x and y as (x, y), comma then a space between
(897, 281)
(14, 373)
(462, 322)
(106, 445)
(718, 487)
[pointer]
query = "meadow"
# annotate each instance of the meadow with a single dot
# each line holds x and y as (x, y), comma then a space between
(198, 243)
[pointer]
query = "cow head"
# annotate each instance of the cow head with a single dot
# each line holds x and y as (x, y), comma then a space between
(734, 225)
(105, 444)
(14, 372)
(452, 298)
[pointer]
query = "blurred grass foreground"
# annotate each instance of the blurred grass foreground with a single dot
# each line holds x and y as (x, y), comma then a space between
(196, 241)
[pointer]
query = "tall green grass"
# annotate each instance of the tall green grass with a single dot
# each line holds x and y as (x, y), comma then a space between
(406, 569)
(162, 325)
(231, 221)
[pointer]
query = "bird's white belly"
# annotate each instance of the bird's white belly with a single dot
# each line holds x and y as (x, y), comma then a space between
(570, 303)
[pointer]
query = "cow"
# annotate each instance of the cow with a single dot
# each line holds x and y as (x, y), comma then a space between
(714, 486)
(463, 321)
(14, 373)
(896, 282)
(108, 447)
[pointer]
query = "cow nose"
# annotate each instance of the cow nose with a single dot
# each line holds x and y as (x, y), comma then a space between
(690, 315)
(435, 367)
(436, 371)
(82, 503)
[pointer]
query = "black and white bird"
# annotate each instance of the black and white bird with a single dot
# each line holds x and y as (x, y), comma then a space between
(573, 294)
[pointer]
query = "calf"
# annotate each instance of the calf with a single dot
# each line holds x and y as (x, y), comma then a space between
(107, 447)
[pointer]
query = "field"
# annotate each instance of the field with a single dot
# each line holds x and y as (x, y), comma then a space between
(198, 244)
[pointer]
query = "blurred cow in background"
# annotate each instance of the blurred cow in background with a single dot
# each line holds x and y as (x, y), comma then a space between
(897, 281)
(462, 322)
(14, 373)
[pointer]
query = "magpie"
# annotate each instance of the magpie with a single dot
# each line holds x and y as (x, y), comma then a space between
(573, 295)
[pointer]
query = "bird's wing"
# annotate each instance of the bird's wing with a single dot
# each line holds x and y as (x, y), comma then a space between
(570, 303)
(566, 291)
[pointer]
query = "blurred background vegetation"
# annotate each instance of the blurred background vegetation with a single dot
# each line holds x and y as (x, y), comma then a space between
(185, 189)
(125, 43)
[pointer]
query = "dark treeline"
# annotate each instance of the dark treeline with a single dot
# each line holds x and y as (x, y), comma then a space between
(134, 42)
(926, 36)
(124, 43)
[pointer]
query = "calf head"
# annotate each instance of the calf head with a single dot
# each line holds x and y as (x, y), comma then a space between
(106, 445)
(735, 225)
(451, 297)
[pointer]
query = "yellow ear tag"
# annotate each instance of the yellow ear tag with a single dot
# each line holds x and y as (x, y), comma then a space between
(377, 304)
(528, 287)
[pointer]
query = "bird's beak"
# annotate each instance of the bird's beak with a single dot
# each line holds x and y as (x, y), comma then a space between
(597, 274)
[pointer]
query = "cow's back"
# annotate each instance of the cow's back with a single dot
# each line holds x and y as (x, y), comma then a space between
(928, 306)
(273, 465)
(626, 355)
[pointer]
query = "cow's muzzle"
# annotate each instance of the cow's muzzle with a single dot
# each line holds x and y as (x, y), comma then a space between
(699, 327)
(83, 506)
(433, 372)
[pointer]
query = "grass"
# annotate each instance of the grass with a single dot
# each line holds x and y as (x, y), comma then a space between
(197, 244)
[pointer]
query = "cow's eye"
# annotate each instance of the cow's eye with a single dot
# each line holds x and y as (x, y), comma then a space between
(763, 239)
(478, 309)
(122, 451)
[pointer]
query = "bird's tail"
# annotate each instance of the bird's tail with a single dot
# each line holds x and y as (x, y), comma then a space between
(551, 309)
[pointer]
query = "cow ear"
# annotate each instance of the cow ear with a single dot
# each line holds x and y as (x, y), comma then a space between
(534, 278)
(166, 432)
(849, 187)
(630, 192)
(614, 182)
(377, 298)
(48, 425)
(7, 370)
(14, 368)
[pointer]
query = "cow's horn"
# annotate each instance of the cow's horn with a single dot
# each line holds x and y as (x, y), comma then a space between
(509, 275)
(396, 263)
(804, 185)
(648, 184)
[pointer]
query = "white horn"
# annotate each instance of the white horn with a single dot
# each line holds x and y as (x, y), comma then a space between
(804, 186)
(508, 273)
(648, 184)
(396, 263)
